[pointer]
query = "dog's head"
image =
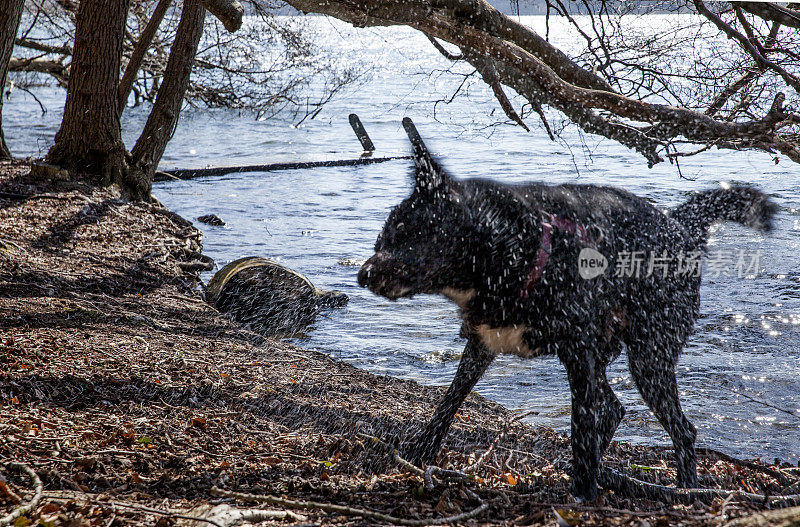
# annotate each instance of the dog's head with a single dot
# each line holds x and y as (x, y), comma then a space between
(423, 245)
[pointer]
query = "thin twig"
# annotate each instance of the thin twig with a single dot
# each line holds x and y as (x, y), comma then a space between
(760, 59)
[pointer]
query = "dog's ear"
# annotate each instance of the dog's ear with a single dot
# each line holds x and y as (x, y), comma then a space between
(429, 177)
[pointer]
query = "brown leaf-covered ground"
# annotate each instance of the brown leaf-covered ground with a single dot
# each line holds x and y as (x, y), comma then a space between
(123, 390)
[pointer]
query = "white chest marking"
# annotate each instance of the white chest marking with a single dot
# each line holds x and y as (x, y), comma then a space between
(459, 296)
(506, 340)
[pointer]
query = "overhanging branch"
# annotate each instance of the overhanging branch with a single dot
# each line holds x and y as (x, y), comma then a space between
(769, 11)
(748, 46)
(229, 12)
(544, 77)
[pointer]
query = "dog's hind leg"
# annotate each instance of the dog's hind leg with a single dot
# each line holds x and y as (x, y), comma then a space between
(611, 412)
(610, 409)
(653, 371)
(476, 358)
(581, 364)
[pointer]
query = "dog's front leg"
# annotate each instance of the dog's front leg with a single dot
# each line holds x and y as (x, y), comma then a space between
(476, 358)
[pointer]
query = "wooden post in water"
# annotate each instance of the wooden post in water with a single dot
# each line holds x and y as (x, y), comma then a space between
(413, 134)
(361, 133)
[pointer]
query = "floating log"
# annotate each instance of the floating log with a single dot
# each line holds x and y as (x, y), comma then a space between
(193, 173)
(355, 123)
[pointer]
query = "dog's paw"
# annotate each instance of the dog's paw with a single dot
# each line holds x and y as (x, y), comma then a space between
(584, 492)
(418, 453)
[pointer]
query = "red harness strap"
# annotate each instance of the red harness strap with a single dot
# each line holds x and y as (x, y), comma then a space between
(545, 245)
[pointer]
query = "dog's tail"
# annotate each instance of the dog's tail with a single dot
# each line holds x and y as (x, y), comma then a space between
(742, 204)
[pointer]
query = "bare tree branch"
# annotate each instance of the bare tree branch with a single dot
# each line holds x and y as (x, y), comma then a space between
(229, 12)
(487, 70)
(441, 49)
(774, 12)
(45, 48)
(744, 80)
(762, 61)
(537, 72)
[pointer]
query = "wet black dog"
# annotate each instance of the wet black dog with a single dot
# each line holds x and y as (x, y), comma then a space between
(571, 270)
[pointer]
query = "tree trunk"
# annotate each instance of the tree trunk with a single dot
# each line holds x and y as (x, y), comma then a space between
(89, 143)
(10, 13)
(164, 116)
(145, 39)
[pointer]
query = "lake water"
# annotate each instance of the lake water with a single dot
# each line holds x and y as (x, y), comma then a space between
(740, 373)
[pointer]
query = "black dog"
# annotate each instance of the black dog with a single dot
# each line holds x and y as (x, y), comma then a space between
(517, 259)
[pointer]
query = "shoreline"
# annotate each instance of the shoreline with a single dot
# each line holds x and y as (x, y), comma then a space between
(119, 383)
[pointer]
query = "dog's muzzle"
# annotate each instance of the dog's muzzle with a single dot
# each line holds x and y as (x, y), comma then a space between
(381, 275)
(366, 272)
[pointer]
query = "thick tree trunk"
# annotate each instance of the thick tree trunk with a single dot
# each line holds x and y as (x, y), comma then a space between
(10, 13)
(89, 142)
(164, 116)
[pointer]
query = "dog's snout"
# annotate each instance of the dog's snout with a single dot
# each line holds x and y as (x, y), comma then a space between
(364, 274)
(367, 270)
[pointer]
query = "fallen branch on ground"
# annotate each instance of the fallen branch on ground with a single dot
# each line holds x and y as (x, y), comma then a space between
(781, 478)
(349, 511)
(136, 507)
(632, 487)
(427, 474)
(225, 515)
(37, 494)
(628, 485)
(780, 518)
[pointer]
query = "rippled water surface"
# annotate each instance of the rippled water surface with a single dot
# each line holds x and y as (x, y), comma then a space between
(740, 373)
